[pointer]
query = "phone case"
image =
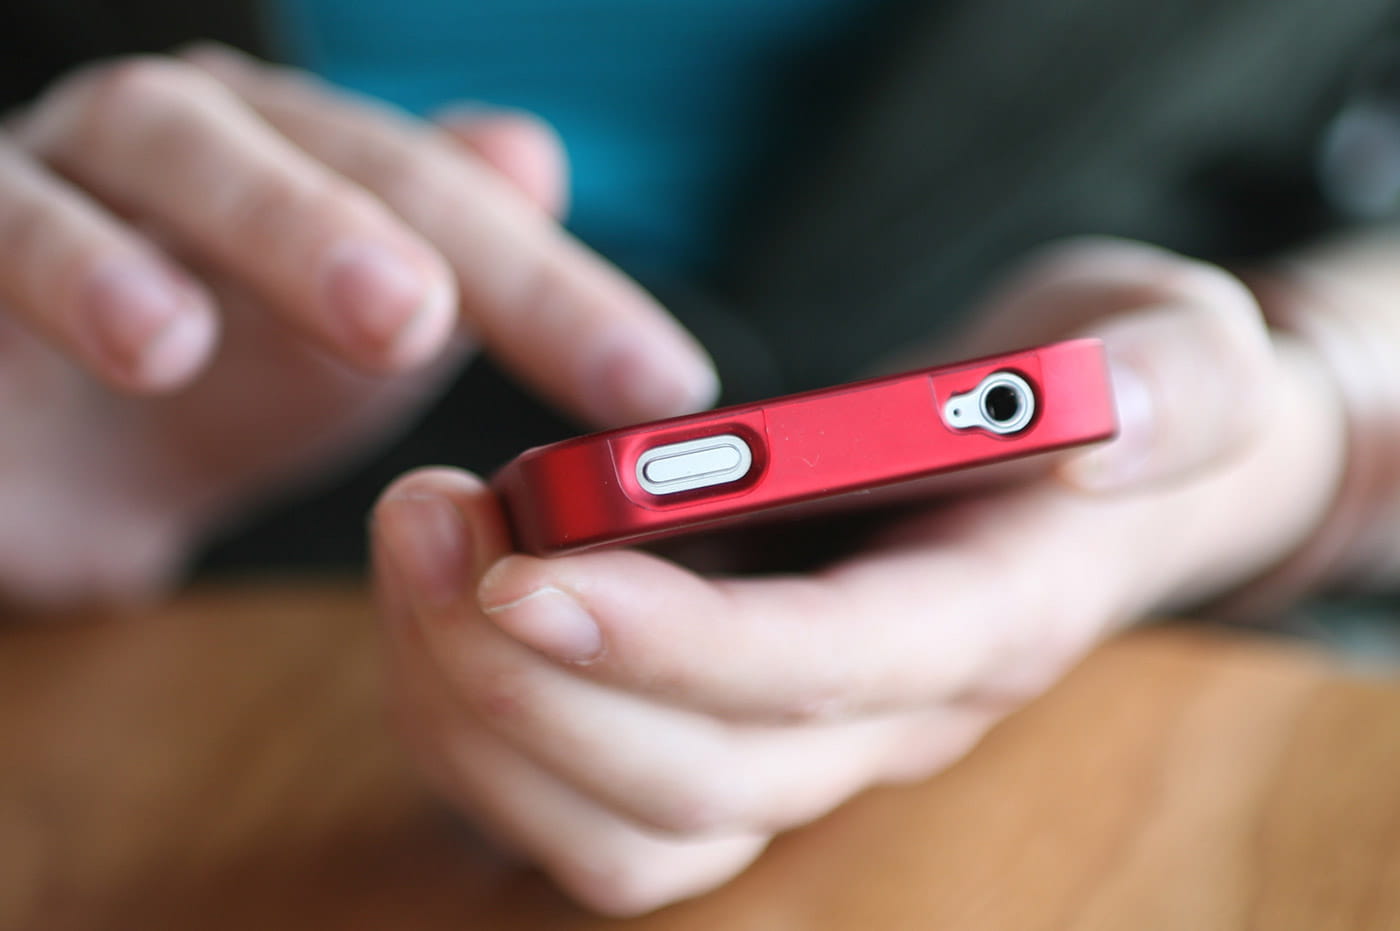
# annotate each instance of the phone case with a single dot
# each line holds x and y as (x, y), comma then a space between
(873, 441)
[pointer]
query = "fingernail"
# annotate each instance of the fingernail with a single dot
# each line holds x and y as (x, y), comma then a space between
(1126, 457)
(552, 622)
(178, 350)
(636, 381)
(139, 320)
(429, 543)
(373, 295)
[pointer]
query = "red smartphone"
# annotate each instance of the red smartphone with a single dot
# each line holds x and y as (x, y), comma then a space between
(853, 445)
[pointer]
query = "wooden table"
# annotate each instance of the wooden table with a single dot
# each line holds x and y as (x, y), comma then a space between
(221, 763)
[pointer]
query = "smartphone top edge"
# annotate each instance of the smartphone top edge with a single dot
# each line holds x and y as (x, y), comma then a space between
(1085, 343)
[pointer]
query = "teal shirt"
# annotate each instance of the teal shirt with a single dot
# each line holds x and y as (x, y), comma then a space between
(669, 109)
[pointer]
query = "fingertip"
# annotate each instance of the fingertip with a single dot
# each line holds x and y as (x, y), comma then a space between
(144, 328)
(444, 481)
(179, 353)
(401, 558)
(521, 146)
(218, 58)
(1097, 257)
(439, 528)
(389, 308)
(426, 333)
(636, 378)
(697, 389)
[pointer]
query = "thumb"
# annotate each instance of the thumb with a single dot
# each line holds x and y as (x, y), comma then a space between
(1191, 377)
(521, 147)
(434, 532)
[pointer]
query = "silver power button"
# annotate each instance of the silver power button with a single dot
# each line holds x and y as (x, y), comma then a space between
(677, 467)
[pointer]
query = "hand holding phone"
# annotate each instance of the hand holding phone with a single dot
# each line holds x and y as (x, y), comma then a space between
(642, 730)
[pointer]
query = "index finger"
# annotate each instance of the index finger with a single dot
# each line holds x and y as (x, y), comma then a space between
(555, 313)
(975, 605)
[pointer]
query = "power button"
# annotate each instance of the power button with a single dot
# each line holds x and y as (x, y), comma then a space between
(677, 467)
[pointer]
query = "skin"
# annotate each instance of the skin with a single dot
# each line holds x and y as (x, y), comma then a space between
(223, 279)
(627, 723)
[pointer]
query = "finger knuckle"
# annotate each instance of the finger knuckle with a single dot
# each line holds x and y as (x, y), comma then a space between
(696, 806)
(544, 291)
(131, 100)
(138, 83)
(261, 207)
(277, 209)
(1073, 250)
(502, 697)
(1226, 294)
(1232, 309)
(45, 261)
(813, 703)
(789, 808)
(404, 178)
(921, 757)
(25, 227)
(1235, 334)
(1075, 257)
(1030, 663)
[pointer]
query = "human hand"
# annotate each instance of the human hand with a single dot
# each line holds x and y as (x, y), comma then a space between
(643, 731)
(219, 279)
